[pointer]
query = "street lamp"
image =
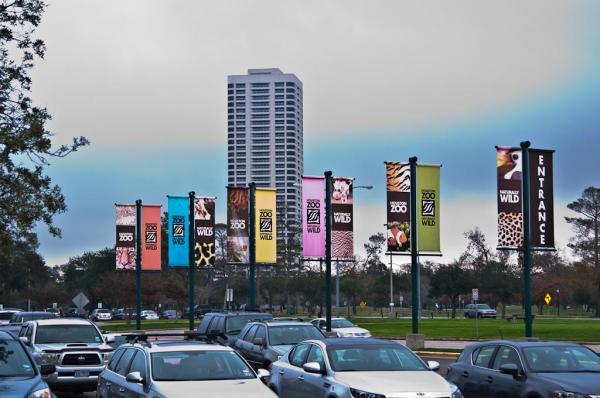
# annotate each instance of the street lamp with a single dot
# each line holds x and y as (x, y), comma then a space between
(337, 263)
(558, 303)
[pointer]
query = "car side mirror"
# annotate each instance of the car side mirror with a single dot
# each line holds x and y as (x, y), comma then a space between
(263, 374)
(259, 341)
(510, 369)
(47, 370)
(313, 367)
(134, 377)
(109, 339)
(433, 365)
(25, 340)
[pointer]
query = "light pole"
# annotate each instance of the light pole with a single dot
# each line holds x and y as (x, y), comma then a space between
(558, 303)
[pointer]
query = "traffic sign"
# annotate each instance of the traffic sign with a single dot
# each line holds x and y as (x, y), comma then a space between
(548, 298)
(362, 305)
(80, 300)
(475, 294)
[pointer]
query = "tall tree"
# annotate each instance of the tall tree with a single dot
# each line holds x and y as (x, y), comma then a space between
(27, 195)
(586, 242)
(452, 281)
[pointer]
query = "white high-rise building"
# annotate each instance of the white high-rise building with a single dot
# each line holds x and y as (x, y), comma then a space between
(265, 139)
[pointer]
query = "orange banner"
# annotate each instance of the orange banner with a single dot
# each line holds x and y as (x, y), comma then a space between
(151, 238)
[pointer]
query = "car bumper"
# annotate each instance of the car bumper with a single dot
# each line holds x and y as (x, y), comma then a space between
(64, 378)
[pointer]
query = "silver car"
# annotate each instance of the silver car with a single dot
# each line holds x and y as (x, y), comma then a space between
(357, 368)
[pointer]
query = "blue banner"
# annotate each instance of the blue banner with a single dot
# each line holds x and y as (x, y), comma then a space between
(179, 222)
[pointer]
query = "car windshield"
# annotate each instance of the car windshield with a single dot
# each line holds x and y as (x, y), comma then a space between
(236, 323)
(293, 334)
(342, 323)
(14, 362)
(561, 359)
(373, 358)
(199, 365)
(483, 307)
(5, 316)
(24, 317)
(64, 334)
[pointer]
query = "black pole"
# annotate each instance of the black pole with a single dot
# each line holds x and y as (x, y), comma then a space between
(328, 222)
(138, 265)
(415, 277)
(191, 246)
(526, 239)
(252, 249)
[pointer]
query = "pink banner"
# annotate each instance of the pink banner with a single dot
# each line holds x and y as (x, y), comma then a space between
(313, 216)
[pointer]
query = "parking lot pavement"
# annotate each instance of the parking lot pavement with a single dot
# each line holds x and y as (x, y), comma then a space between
(74, 395)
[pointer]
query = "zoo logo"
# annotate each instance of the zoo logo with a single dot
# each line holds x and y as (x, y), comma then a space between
(151, 233)
(266, 221)
(428, 203)
(125, 237)
(313, 212)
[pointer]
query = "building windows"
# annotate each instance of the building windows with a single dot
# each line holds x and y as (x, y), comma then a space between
(279, 146)
(279, 103)
(289, 84)
(280, 153)
(260, 135)
(238, 92)
(260, 166)
(280, 160)
(279, 122)
(279, 90)
(279, 97)
(260, 148)
(260, 122)
(279, 115)
(260, 97)
(290, 90)
(259, 129)
(279, 141)
(260, 103)
(279, 128)
(260, 84)
(290, 103)
(241, 128)
(259, 141)
(260, 91)
(240, 110)
(279, 172)
(261, 179)
(240, 122)
(241, 117)
(260, 110)
(279, 178)
(240, 98)
(237, 85)
(261, 116)
(278, 84)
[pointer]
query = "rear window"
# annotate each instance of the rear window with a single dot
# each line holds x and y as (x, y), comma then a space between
(5, 316)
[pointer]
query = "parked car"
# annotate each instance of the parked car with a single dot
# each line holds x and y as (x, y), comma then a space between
(262, 343)
(19, 318)
(149, 315)
(179, 369)
(75, 313)
(480, 311)
(19, 374)
(169, 314)
(6, 315)
(527, 369)
(200, 310)
(101, 314)
(124, 313)
(228, 325)
(75, 346)
(350, 367)
(342, 327)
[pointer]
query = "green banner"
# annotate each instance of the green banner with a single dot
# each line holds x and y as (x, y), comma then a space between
(428, 208)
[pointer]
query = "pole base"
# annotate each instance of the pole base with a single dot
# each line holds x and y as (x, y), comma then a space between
(415, 341)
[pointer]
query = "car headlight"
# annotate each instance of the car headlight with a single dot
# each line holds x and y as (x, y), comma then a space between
(568, 394)
(107, 356)
(456, 393)
(46, 358)
(43, 393)
(364, 394)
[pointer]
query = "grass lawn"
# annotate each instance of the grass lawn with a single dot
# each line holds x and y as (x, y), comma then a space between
(548, 329)
(122, 326)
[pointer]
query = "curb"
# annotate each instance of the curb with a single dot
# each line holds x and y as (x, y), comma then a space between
(438, 354)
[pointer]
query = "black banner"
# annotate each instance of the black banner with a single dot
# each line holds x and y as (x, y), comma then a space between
(237, 225)
(542, 198)
(343, 219)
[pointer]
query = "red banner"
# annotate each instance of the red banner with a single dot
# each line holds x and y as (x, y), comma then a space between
(151, 242)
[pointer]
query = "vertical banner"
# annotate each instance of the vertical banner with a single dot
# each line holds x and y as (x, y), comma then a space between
(179, 215)
(125, 236)
(398, 206)
(313, 216)
(342, 245)
(204, 223)
(266, 222)
(237, 225)
(151, 242)
(428, 208)
(509, 168)
(542, 198)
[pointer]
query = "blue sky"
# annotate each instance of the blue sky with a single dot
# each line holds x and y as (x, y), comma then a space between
(429, 82)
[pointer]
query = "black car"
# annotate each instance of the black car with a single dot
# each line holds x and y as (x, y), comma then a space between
(264, 342)
(19, 318)
(528, 369)
(19, 374)
(228, 325)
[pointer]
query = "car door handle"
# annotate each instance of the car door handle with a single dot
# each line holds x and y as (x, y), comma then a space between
(281, 372)
(489, 379)
(301, 378)
(108, 384)
(121, 389)
(326, 385)
(465, 374)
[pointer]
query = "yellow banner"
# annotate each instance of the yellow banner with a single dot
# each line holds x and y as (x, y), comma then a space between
(266, 226)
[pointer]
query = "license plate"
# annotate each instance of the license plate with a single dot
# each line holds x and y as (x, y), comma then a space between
(82, 373)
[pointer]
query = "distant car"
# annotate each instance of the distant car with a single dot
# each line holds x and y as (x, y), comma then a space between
(228, 325)
(357, 368)
(527, 369)
(342, 327)
(180, 369)
(262, 343)
(149, 315)
(75, 313)
(101, 314)
(124, 313)
(6, 315)
(75, 346)
(19, 374)
(169, 314)
(19, 318)
(480, 311)
(200, 310)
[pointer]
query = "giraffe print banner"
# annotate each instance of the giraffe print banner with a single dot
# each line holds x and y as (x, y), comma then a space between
(204, 222)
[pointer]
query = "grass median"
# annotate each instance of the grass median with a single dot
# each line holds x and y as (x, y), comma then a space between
(547, 329)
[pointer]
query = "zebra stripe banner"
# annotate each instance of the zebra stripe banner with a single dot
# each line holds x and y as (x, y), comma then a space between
(398, 207)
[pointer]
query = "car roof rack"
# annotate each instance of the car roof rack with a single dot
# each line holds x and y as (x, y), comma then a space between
(284, 319)
(142, 338)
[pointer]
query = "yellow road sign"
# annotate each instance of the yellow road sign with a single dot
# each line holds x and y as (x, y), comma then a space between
(362, 305)
(548, 298)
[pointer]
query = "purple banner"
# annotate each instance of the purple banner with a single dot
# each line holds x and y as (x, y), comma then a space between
(313, 216)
